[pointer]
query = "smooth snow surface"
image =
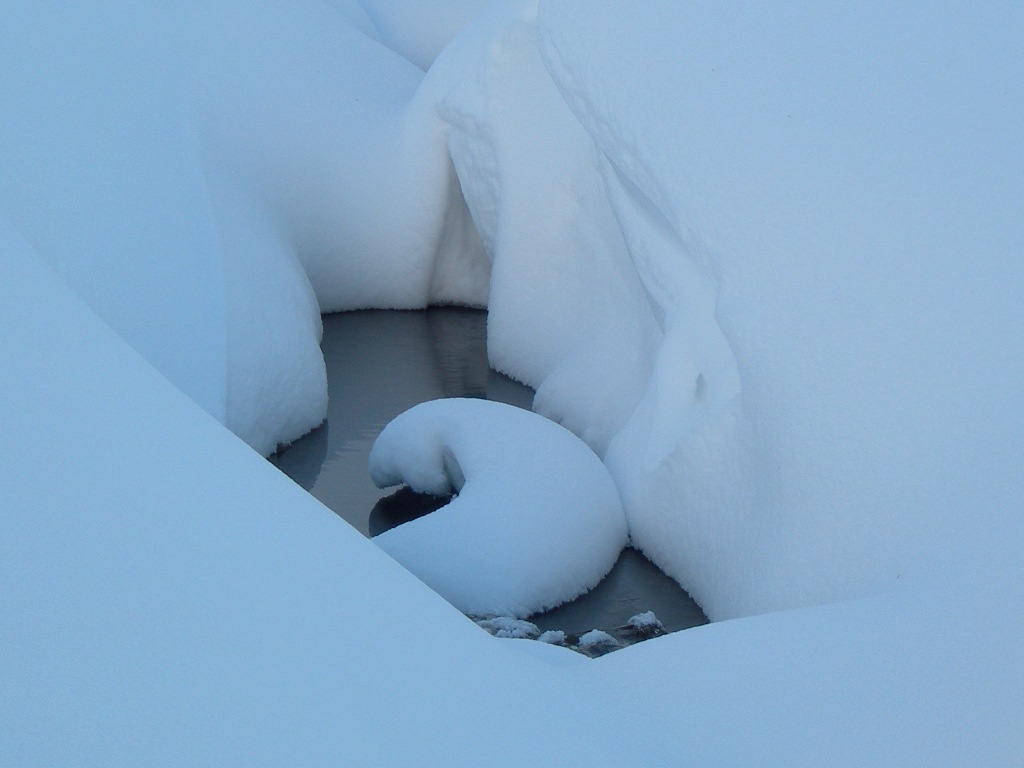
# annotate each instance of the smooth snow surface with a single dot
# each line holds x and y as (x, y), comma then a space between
(209, 180)
(765, 260)
(820, 204)
(536, 521)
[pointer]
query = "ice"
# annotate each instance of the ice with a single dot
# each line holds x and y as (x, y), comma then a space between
(536, 520)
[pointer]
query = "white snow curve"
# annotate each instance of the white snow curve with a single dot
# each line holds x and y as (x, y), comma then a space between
(502, 546)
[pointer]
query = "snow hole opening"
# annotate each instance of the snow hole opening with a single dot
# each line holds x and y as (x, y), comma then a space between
(380, 363)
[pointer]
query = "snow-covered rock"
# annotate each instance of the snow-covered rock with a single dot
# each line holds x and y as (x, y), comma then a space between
(597, 642)
(506, 626)
(552, 637)
(645, 624)
(536, 520)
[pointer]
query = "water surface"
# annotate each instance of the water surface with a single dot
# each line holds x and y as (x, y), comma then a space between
(381, 363)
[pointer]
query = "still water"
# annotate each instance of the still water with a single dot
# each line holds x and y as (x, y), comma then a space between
(381, 363)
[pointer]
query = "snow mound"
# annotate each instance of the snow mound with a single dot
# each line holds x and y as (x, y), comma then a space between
(565, 302)
(419, 31)
(537, 520)
(552, 637)
(766, 261)
(254, 170)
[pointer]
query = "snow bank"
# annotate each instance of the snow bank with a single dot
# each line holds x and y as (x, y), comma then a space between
(717, 271)
(563, 293)
(210, 180)
(819, 204)
(169, 598)
(748, 277)
(420, 31)
(99, 172)
(765, 260)
(537, 519)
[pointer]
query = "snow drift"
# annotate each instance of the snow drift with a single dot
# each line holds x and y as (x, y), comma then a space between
(210, 180)
(536, 520)
(765, 261)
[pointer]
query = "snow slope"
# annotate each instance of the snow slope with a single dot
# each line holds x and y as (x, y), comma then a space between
(773, 279)
(210, 180)
(820, 204)
(170, 598)
(766, 262)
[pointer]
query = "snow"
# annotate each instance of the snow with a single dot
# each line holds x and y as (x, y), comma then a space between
(596, 642)
(191, 189)
(169, 598)
(536, 521)
(827, 401)
(645, 624)
(765, 261)
(563, 293)
(420, 31)
(552, 637)
(506, 626)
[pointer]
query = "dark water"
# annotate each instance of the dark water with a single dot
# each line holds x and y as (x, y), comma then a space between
(381, 363)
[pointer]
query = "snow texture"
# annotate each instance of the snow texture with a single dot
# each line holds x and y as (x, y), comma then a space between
(645, 624)
(826, 408)
(764, 260)
(552, 637)
(597, 641)
(536, 520)
(209, 181)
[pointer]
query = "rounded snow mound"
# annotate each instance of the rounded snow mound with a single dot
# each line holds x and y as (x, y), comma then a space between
(537, 518)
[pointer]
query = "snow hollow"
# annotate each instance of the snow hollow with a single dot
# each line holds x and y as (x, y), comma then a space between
(766, 262)
(380, 364)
